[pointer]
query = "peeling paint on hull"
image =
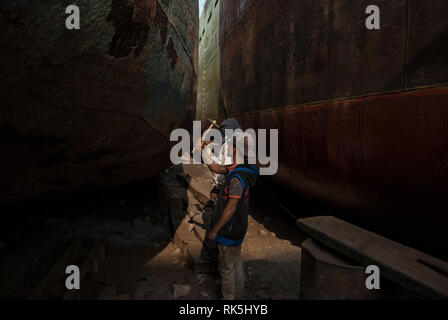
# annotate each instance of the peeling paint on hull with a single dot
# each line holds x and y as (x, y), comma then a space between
(92, 108)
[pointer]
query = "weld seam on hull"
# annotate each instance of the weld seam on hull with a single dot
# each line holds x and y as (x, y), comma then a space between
(406, 48)
(133, 115)
(319, 102)
(180, 38)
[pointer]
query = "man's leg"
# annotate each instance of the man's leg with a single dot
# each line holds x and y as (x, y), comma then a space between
(227, 272)
(231, 270)
(239, 275)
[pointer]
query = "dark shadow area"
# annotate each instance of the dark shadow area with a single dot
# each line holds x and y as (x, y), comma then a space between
(273, 206)
(272, 280)
(34, 237)
(272, 199)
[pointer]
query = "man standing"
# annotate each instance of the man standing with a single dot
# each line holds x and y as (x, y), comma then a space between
(230, 221)
(218, 166)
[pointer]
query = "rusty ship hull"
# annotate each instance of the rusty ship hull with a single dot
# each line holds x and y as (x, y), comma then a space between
(362, 114)
(92, 108)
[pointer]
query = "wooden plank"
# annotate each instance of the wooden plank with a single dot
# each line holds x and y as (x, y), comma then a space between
(397, 262)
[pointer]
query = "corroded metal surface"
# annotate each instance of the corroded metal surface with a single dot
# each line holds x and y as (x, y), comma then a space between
(327, 275)
(286, 53)
(362, 115)
(209, 62)
(380, 159)
(90, 108)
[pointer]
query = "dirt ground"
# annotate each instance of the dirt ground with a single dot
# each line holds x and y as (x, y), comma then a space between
(142, 262)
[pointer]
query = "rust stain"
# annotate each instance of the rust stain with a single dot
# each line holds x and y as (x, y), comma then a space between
(92, 130)
(161, 20)
(171, 53)
(133, 21)
(129, 35)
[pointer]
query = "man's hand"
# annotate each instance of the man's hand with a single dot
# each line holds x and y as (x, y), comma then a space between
(204, 144)
(212, 235)
(213, 166)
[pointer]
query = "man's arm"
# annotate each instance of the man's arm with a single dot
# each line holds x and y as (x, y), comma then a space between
(217, 168)
(213, 166)
(229, 210)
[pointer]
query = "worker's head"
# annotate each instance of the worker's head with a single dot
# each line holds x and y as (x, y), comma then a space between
(229, 124)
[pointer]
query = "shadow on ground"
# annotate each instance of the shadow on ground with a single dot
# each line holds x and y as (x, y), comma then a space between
(35, 236)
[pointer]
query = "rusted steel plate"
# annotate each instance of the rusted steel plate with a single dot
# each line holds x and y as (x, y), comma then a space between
(427, 61)
(312, 69)
(90, 108)
(293, 52)
(382, 159)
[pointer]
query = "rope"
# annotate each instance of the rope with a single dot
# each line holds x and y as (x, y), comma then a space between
(223, 98)
(277, 201)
